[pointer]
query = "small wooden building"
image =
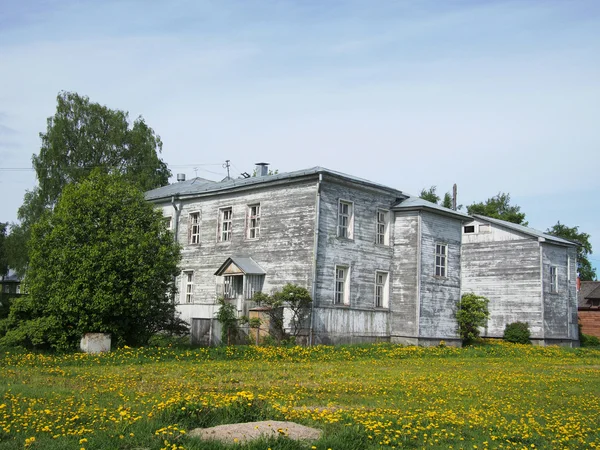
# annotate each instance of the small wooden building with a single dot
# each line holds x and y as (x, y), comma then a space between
(527, 275)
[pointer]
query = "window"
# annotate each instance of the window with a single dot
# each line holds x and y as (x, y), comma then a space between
(381, 290)
(18, 288)
(225, 222)
(194, 228)
(6, 288)
(253, 221)
(168, 221)
(485, 228)
(346, 219)
(469, 229)
(441, 260)
(553, 279)
(188, 286)
(342, 291)
(382, 228)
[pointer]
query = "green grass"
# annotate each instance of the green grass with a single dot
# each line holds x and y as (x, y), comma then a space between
(490, 396)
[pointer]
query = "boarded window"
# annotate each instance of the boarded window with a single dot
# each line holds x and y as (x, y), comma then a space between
(485, 228)
(553, 279)
(441, 260)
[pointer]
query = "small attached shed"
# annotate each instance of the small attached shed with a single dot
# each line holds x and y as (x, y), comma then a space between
(589, 308)
(528, 276)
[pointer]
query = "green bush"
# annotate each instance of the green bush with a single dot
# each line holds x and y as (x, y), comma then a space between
(472, 313)
(586, 340)
(517, 333)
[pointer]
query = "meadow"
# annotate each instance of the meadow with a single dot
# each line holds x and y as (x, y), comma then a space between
(494, 396)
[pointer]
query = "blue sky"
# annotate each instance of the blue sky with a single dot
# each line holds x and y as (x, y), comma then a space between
(491, 95)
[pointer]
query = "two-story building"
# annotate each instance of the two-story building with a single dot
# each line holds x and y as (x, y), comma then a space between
(380, 264)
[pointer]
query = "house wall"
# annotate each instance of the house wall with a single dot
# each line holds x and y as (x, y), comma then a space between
(507, 272)
(404, 305)
(560, 308)
(284, 249)
(439, 295)
(360, 319)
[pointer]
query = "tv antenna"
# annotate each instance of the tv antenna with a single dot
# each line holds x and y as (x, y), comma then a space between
(226, 166)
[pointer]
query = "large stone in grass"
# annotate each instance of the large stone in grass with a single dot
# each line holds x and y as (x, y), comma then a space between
(95, 343)
(242, 432)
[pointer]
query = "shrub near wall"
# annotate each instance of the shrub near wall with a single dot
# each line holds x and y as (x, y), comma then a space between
(517, 333)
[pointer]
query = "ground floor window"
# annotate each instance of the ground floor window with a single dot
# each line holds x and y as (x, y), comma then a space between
(342, 288)
(381, 290)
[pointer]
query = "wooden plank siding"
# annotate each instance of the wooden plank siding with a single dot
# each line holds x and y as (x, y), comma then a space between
(284, 248)
(439, 295)
(360, 319)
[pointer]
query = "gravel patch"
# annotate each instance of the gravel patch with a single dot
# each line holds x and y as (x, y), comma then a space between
(242, 432)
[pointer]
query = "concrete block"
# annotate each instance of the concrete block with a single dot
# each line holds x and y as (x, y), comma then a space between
(95, 343)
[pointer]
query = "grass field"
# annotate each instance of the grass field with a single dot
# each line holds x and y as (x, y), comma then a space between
(492, 396)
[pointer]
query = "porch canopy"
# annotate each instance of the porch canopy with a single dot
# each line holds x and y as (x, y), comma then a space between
(239, 265)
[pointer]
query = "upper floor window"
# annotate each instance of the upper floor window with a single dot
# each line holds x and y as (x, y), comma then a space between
(188, 286)
(382, 228)
(194, 228)
(342, 288)
(441, 260)
(253, 227)
(381, 290)
(225, 224)
(553, 279)
(469, 229)
(346, 219)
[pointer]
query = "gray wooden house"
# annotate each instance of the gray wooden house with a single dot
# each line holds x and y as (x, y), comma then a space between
(380, 264)
(527, 275)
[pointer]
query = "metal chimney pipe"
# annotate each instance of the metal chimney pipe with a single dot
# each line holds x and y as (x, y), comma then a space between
(262, 169)
(180, 177)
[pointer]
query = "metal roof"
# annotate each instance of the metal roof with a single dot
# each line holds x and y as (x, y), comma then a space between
(525, 230)
(588, 292)
(245, 264)
(200, 186)
(413, 203)
(11, 277)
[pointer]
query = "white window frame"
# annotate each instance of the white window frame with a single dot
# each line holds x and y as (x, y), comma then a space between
(253, 221)
(382, 289)
(188, 286)
(225, 228)
(168, 221)
(194, 228)
(553, 279)
(18, 288)
(341, 290)
(382, 228)
(441, 260)
(346, 230)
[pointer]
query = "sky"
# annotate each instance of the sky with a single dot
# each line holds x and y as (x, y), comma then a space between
(495, 96)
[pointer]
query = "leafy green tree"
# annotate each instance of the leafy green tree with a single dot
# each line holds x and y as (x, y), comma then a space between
(471, 314)
(430, 195)
(499, 207)
(101, 261)
(447, 202)
(83, 136)
(584, 266)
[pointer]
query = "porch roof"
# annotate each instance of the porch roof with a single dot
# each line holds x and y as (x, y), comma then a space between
(246, 264)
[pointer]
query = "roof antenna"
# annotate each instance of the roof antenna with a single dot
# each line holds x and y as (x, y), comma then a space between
(226, 166)
(196, 171)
